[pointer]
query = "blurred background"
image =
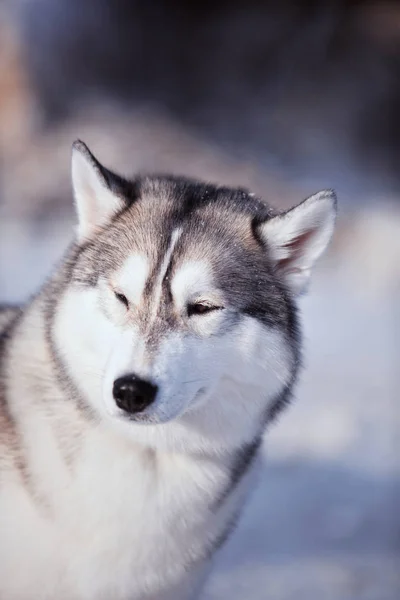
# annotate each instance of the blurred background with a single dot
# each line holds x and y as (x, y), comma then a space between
(285, 98)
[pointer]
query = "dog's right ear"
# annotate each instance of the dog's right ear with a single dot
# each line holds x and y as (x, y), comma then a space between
(298, 237)
(96, 199)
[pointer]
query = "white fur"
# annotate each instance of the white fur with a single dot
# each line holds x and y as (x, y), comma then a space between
(315, 218)
(132, 277)
(191, 281)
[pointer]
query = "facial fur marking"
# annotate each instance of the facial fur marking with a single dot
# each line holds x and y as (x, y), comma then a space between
(193, 276)
(132, 277)
(158, 286)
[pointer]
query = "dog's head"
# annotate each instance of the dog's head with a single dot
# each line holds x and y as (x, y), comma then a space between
(179, 303)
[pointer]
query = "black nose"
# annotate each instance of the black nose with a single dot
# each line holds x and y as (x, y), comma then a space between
(133, 394)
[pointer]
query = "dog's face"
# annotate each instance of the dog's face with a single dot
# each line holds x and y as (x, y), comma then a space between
(180, 299)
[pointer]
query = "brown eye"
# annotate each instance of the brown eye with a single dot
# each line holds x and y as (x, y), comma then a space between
(200, 308)
(123, 299)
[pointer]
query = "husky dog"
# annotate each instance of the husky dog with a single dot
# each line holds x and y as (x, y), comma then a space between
(136, 386)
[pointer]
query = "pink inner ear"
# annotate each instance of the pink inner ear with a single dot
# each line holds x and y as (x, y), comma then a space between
(295, 246)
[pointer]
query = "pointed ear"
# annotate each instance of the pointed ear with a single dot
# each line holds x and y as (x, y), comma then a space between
(298, 237)
(95, 199)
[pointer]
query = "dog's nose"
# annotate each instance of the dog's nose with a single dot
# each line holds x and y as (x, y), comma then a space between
(133, 394)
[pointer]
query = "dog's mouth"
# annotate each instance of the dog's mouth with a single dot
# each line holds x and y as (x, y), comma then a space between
(155, 415)
(198, 398)
(143, 418)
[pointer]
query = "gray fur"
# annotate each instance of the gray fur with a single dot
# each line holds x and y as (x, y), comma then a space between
(8, 314)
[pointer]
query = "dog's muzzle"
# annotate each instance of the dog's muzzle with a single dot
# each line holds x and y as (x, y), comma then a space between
(133, 394)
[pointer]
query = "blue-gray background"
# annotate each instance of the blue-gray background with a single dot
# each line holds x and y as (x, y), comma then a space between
(285, 98)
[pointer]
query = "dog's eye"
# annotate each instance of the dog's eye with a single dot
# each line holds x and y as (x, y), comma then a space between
(201, 308)
(123, 299)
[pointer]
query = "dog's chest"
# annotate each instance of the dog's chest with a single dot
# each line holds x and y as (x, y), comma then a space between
(132, 522)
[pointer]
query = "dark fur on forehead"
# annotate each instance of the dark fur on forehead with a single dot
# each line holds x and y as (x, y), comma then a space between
(191, 195)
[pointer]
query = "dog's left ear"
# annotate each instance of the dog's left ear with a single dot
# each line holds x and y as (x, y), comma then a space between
(96, 193)
(298, 237)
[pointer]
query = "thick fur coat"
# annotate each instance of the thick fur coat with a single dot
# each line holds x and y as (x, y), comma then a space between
(136, 386)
